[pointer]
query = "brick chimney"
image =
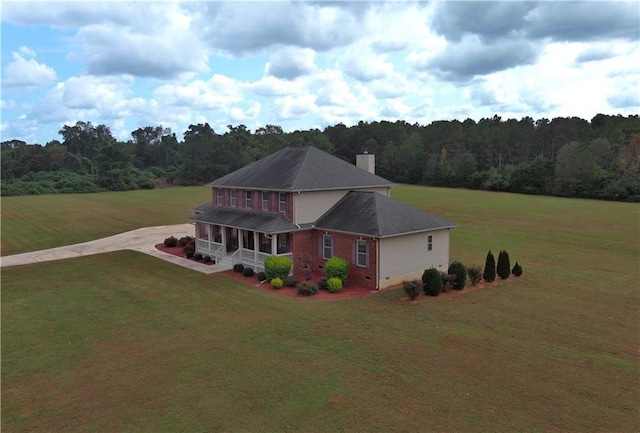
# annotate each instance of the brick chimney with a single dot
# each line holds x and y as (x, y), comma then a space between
(366, 162)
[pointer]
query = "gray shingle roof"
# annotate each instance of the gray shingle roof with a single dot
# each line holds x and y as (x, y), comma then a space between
(245, 219)
(300, 169)
(203, 207)
(373, 214)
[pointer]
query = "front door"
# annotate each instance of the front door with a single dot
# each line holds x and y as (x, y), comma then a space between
(232, 239)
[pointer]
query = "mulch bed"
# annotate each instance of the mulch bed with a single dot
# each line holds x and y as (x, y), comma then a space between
(178, 251)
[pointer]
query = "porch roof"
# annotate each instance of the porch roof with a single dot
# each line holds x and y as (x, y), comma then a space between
(265, 222)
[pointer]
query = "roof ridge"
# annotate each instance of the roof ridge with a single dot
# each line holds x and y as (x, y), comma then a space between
(302, 165)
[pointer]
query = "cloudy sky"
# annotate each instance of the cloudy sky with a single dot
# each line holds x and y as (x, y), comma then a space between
(305, 65)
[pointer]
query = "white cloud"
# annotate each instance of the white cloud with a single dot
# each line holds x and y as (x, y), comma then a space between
(290, 62)
(25, 71)
(217, 93)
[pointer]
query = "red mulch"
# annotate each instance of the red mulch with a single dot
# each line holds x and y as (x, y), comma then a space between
(348, 292)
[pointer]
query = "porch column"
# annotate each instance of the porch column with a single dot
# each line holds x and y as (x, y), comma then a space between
(223, 238)
(274, 245)
(256, 248)
(208, 226)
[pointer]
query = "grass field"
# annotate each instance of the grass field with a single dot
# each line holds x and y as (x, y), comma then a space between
(126, 342)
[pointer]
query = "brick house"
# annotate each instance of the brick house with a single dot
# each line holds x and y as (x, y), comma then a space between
(309, 206)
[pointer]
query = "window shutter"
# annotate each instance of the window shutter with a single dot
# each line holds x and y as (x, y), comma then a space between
(368, 253)
(332, 242)
(354, 252)
(321, 246)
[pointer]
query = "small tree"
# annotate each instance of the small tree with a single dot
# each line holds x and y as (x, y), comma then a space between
(475, 274)
(503, 269)
(460, 271)
(517, 270)
(277, 266)
(432, 282)
(337, 267)
(489, 273)
(412, 288)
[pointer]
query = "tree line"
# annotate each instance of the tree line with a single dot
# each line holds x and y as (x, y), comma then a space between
(565, 156)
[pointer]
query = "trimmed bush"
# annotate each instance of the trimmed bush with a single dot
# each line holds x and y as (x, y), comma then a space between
(307, 288)
(291, 281)
(189, 254)
(248, 272)
(489, 273)
(170, 242)
(323, 284)
(517, 270)
(337, 267)
(184, 241)
(262, 276)
(334, 285)
(412, 288)
(197, 256)
(238, 268)
(277, 266)
(475, 274)
(206, 259)
(503, 268)
(460, 271)
(277, 283)
(432, 282)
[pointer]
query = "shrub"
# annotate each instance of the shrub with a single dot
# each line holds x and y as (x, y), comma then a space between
(238, 267)
(475, 274)
(323, 284)
(412, 288)
(291, 281)
(307, 288)
(489, 273)
(517, 270)
(189, 254)
(197, 256)
(460, 271)
(277, 266)
(170, 242)
(432, 282)
(277, 283)
(248, 272)
(184, 241)
(262, 276)
(334, 285)
(448, 280)
(189, 250)
(206, 259)
(503, 268)
(337, 267)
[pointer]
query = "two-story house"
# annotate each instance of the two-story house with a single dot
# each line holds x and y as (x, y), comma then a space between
(308, 205)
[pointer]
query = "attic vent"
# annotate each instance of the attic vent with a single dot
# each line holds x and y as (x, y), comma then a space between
(366, 162)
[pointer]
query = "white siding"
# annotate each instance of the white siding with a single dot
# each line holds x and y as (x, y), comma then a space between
(406, 257)
(309, 206)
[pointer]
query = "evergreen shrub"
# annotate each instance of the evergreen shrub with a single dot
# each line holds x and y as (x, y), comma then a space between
(262, 276)
(432, 282)
(460, 271)
(323, 284)
(412, 288)
(291, 281)
(248, 272)
(307, 288)
(517, 270)
(170, 242)
(183, 241)
(198, 256)
(238, 268)
(189, 254)
(503, 268)
(277, 283)
(337, 267)
(334, 285)
(206, 259)
(277, 266)
(489, 273)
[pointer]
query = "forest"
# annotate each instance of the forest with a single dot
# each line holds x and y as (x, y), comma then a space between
(565, 156)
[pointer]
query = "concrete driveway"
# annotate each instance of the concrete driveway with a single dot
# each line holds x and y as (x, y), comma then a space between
(142, 240)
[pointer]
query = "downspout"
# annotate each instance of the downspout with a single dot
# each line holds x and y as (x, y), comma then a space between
(377, 263)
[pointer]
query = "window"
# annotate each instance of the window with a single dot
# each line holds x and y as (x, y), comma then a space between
(429, 243)
(248, 202)
(362, 254)
(233, 198)
(219, 196)
(327, 246)
(283, 202)
(265, 200)
(282, 243)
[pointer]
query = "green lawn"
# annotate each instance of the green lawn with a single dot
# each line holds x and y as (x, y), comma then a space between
(126, 342)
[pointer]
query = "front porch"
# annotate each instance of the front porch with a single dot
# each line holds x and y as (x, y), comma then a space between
(234, 245)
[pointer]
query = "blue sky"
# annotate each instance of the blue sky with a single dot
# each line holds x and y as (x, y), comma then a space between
(309, 65)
